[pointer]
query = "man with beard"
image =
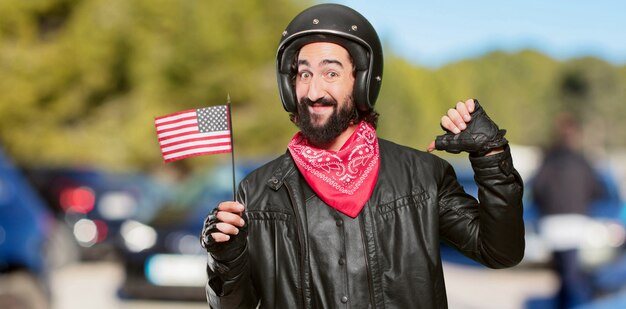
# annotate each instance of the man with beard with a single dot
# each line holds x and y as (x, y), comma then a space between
(345, 219)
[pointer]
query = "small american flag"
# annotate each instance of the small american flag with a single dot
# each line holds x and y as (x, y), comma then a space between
(194, 132)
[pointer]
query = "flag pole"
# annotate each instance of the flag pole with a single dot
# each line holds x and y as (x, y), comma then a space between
(232, 147)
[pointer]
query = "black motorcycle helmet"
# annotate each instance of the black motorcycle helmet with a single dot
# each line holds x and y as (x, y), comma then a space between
(337, 24)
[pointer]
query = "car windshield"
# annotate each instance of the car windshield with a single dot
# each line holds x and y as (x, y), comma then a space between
(201, 192)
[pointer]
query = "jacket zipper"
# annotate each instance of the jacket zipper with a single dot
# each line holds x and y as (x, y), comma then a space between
(370, 280)
(301, 240)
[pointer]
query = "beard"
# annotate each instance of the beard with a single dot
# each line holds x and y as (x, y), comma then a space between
(324, 134)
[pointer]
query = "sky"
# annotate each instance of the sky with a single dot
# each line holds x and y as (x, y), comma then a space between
(434, 33)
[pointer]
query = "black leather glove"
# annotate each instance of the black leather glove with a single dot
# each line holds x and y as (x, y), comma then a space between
(222, 251)
(481, 136)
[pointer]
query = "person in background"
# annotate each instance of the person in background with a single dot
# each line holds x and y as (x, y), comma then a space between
(345, 219)
(563, 189)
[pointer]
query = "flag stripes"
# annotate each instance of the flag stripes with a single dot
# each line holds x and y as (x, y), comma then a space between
(194, 132)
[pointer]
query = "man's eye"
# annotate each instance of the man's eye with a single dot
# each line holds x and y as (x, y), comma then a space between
(332, 74)
(305, 75)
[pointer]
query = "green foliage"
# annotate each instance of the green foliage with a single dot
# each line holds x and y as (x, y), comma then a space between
(81, 81)
(521, 91)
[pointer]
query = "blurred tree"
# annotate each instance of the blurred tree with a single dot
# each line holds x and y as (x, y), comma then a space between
(521, 91)
(594, 92)
(82, 80)
(512, 87)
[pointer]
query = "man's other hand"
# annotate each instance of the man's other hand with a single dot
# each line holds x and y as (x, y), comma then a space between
(457, 120)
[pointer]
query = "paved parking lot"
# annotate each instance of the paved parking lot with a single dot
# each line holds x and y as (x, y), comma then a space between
(479, 288)
(94, 286)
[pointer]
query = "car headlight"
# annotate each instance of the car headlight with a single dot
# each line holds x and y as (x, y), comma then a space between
(90, 232)
(183, 243)
(117, 205)
(601, 242)
(138, 236)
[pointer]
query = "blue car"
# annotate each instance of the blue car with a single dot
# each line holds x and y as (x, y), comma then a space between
(94, 203)
(605, 223)
(607, 212)
(25, 226)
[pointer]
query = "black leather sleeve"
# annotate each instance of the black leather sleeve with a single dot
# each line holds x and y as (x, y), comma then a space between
(490, 230)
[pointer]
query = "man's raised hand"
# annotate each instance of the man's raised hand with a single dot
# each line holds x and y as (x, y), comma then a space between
(469, 129)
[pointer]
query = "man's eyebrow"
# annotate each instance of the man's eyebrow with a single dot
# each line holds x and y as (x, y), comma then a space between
(324, 62)
(331, 61)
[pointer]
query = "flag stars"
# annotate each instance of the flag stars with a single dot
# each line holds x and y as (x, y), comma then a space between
(211, 119)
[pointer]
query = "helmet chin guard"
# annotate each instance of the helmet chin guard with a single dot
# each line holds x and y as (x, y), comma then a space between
(339, 24)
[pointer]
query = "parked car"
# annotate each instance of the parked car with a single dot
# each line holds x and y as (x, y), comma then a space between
(162, 257)
(94, 203)
(603, 255)
(25, 227)
(605, 231)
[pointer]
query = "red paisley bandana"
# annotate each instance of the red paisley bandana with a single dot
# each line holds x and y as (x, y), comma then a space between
(344, 179)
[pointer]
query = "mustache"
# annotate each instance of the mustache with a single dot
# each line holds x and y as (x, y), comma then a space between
(322, 102)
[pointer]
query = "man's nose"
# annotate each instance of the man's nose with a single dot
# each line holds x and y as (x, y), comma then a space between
(316, 89)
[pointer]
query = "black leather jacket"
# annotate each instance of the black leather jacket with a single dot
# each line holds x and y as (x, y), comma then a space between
(417, 202)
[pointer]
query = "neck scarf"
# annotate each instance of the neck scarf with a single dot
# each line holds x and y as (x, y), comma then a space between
(343, 179)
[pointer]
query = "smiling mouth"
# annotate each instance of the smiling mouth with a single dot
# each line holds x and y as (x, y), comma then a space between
(321, 104)
(318, 108)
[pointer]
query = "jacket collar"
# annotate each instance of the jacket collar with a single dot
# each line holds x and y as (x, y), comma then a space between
(285, 167)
